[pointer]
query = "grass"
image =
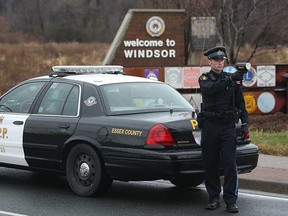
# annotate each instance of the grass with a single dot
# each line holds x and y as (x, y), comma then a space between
(272, 143)
(19, 62)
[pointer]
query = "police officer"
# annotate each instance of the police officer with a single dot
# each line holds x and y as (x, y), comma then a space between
(223, 105)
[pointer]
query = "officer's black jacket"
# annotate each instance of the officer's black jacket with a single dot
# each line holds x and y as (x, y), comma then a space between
(220, 93)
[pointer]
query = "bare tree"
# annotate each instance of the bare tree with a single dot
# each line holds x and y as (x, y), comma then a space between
(250, 22)
(259, 23)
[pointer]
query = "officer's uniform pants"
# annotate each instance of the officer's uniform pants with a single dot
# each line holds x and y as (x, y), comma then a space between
(218, 140)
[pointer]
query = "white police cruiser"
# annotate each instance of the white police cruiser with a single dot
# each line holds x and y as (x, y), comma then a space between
(95, 124)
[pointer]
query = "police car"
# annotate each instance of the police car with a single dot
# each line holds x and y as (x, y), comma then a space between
(95, 124)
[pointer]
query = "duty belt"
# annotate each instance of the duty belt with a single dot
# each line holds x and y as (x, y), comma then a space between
(224, 116)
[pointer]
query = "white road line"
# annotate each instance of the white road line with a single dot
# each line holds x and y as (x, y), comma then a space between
(243, 193)
(10, 213)
(264, 196)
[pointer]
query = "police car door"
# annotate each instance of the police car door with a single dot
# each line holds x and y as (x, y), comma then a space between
(11, 135)
(14, 108)
(52, 122)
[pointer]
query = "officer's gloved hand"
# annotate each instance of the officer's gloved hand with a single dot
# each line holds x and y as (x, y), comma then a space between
(244, 131)
(237, 76)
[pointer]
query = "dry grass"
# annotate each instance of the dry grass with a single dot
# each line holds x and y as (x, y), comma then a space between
(269, 123)
(22, 61)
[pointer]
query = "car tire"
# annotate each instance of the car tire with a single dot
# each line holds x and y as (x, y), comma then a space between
(85, 172)
(185, 182)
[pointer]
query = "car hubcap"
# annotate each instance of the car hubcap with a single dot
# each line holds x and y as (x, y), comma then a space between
(84, 170)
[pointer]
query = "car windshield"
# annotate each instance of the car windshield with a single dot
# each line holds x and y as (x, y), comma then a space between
(126, 98)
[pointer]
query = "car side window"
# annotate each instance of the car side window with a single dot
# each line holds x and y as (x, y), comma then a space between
(60, 99)
(20, 99)
(71, 105)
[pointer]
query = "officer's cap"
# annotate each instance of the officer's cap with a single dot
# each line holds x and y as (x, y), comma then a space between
(218, 52)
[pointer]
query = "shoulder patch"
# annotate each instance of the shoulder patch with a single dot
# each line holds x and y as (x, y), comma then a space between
(204, 76)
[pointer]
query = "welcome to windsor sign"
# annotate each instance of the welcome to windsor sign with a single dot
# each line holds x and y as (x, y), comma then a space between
(149, 49)
(149, 38)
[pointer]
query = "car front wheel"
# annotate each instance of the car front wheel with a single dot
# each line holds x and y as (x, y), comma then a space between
(85, 172)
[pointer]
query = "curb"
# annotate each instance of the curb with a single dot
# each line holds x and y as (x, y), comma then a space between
(263, 185)
(267, 179)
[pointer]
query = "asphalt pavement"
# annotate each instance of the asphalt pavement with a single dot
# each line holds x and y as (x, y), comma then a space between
(271, 175)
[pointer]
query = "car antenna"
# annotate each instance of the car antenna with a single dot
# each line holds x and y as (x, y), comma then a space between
(171, 106)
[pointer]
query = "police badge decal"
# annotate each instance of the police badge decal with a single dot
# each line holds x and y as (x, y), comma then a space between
(155, 26)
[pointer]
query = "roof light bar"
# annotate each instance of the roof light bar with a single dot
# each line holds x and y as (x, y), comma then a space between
(88, 69)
